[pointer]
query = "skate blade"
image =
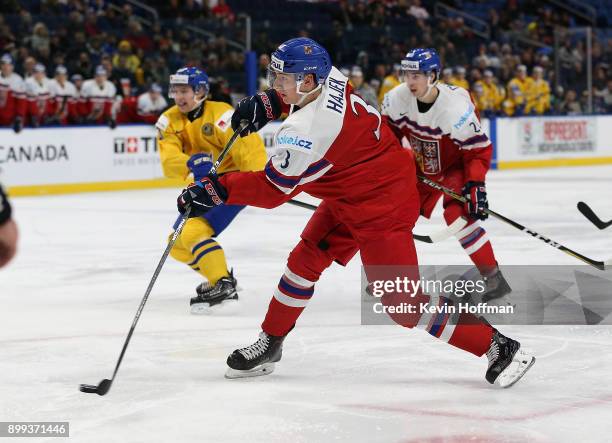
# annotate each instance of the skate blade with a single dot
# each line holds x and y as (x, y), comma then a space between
(515, 371)
(265, 369)
(226, 307)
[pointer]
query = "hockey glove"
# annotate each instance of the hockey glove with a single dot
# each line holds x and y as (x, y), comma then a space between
(258, 110)
(202, 196)
(199, 165)
(476, 195)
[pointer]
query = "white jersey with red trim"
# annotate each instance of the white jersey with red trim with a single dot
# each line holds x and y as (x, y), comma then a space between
(63, 92)
(146, 106)
(95, 93)
(338, 149)
(447, 135)
(322, 141)
(40, 98)
(36, 90)
(12, 98)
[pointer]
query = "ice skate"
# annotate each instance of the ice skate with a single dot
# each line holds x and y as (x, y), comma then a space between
(497, 287)
(210, 297)
(256, 359)
(507, 361)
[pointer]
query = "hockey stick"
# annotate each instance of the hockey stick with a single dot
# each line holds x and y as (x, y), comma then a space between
(435, 237)
(597, 264)
(590, 215)
(104, 386)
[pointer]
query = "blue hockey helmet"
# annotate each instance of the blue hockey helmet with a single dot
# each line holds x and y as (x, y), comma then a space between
(300, 56)
(425, 60)
(190, 76)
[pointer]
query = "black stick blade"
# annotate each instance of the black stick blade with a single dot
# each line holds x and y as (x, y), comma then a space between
(101, 389)
(88, 389)
(591, 216)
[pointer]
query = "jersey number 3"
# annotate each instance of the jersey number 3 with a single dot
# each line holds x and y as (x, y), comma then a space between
(369, 109)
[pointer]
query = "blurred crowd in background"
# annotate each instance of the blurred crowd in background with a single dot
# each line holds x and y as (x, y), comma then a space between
(108, 62)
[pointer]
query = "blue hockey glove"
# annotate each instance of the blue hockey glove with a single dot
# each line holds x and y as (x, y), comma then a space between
(199, 165)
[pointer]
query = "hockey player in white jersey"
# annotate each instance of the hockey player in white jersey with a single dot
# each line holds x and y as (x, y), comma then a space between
(64, 97)
(442, 126)
(12, 95)
(151, 104)
(40, 99)
(98, 95)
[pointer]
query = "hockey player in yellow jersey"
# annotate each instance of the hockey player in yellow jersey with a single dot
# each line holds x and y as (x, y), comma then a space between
(191, 135)
(459, 78)
(518, 90)
(389, 82)
(488, 94)
(538, 97)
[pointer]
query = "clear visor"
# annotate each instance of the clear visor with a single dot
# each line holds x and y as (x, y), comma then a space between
(181, 87)
(406, 72)
(281, 80)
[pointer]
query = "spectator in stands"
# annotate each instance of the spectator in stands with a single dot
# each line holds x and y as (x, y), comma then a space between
(458, 79)
(517, 92)
(38, 93)
(12, 89)
(124, 59)
(151, 104)
(570, 105)
(390, 82)
(223, 12)
(538, 95)
(40, 41)
(364, 90)
(418, 11)
(447, 76)
(64, 97)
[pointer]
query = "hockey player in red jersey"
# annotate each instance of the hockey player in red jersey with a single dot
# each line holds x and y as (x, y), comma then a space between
(12, 95)
(335, 146)
(442, 126)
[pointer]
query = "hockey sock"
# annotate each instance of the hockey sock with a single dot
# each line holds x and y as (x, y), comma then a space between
(462, 330)
(290, 298)
(474, 240)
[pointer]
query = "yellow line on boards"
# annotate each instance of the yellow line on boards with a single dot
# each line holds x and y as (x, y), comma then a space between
(73, 188)
(583, 161)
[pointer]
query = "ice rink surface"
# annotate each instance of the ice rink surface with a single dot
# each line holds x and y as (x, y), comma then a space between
(85, 260)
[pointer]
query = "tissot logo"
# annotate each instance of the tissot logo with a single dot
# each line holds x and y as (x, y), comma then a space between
(135, 145)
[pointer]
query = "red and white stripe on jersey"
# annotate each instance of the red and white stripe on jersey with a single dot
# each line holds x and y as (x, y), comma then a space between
(287, 183)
